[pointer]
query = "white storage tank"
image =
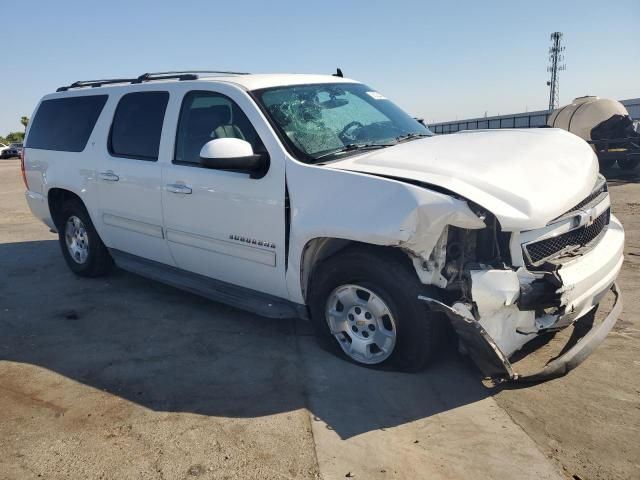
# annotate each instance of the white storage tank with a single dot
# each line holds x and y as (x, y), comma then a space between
(605, 124)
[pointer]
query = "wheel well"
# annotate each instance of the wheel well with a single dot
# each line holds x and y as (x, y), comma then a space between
(57, 197)
(318, 250)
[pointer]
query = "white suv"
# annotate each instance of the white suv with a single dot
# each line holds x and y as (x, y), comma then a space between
(315, 196)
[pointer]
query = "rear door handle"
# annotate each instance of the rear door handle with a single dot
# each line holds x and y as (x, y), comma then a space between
(178, 188)
(108, 176)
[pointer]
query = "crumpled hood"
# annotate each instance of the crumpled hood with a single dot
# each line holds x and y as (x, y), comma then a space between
(525, 177)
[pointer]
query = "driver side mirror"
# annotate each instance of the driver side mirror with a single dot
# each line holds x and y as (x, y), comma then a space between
(231, 154)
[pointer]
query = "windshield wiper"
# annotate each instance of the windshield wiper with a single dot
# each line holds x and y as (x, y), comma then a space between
(351, 147)
(410, 136)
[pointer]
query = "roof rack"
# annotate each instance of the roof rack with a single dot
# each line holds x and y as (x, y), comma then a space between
(95, 83)
(181, 75)
(148, 77)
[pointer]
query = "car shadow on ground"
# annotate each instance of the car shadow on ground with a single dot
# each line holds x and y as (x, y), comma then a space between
(171, 351)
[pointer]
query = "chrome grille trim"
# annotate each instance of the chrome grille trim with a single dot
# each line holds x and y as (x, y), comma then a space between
(575, 242)
(599, 191)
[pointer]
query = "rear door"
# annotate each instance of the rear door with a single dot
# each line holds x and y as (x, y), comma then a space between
(129, 177)
(225, 224)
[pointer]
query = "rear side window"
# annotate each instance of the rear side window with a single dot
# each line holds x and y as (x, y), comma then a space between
(137, 125)
(65, 124)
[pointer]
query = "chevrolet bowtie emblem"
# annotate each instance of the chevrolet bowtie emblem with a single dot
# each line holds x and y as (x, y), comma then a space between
(587, 217)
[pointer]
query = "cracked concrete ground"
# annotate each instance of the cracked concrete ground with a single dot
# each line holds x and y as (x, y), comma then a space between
(122, 377)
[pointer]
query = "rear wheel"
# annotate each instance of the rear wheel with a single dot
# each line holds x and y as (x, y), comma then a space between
(629, 163)
(606, 163)
(364, 305)
(81, 245)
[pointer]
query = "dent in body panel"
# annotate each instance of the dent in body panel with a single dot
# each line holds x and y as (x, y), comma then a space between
(328, 203)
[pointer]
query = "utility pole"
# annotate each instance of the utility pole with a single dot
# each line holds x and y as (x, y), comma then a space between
(555, 59)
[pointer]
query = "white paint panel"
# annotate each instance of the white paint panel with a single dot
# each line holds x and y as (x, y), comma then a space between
(134, 226)
(526, 178)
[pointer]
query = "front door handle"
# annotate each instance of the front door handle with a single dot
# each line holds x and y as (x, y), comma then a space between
(178, 188)
(109, 176)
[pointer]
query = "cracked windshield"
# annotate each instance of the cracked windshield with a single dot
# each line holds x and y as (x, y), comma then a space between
(328, 120)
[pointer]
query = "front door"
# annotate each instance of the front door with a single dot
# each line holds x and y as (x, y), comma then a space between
(225, 224)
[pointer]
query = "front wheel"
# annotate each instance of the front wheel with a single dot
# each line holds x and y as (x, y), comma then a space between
(364, 305)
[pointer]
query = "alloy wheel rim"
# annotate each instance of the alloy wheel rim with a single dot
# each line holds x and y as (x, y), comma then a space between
(362, 323)
(77, 240)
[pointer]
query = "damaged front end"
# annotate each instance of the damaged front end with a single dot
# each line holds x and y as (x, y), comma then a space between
(498, 298)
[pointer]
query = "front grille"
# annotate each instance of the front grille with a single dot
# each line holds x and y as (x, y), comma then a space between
(572, 241)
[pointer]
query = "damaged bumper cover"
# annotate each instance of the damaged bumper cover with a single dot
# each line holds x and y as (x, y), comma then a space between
(494, 363)
(507, 308)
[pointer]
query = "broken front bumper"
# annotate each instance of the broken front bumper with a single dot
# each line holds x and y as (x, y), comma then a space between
(494, 363)
(497, 327)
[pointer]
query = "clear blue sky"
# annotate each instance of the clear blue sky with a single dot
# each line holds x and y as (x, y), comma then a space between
(439, 60)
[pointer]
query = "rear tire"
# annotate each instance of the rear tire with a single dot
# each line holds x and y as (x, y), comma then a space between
(371, 284)
(628, 163)
(80, 243)
(606, 163)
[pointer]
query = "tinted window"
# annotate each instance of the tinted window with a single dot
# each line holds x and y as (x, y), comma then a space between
(206, 116)
(65, 124)
(137, 125)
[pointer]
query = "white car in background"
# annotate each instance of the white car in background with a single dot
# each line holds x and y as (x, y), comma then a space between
(315, 196)
(13, 150)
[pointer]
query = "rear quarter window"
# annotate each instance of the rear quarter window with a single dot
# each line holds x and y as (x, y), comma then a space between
(65, 124)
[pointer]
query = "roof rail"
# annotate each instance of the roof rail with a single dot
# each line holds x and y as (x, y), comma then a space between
(181, 75)
(148, 77)
(95, 83)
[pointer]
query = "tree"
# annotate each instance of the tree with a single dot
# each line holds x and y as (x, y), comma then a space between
(24, 121)
(14, 137)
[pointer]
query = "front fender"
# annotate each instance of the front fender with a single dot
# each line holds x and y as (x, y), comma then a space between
(327, 203)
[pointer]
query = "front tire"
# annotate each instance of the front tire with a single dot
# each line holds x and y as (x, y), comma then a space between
(80, 243)
(364, 305)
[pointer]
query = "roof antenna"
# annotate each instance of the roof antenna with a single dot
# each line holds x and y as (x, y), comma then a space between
(338, 73)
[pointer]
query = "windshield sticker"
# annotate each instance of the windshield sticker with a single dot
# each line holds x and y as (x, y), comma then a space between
(376, 95)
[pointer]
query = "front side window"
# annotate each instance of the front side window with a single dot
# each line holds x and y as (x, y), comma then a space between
(324, 119)
(137, 125)
(206, 116)
(64, 124)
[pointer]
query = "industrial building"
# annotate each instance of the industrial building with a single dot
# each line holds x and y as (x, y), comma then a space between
(516, 120)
